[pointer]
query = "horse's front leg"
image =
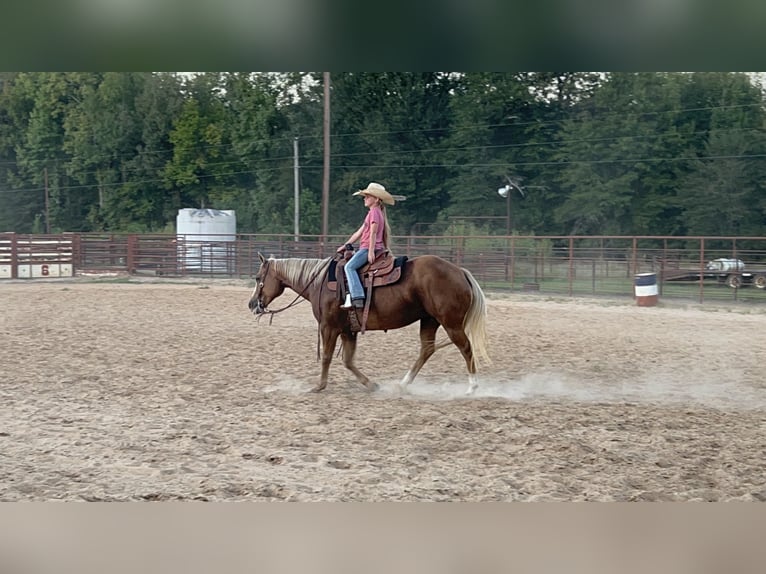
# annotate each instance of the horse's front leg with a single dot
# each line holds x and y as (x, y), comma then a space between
(349, 349)
(329, 339)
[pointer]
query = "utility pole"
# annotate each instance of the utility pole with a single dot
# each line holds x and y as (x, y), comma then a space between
(297, 192)
(326, 177)
(508, 214)
(47, 207)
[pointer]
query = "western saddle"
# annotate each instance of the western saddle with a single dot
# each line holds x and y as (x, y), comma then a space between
(384, 270)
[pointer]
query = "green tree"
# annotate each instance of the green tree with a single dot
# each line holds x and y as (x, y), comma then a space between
(157, 104)
(388, 128)
(618, 153)
(301, 104)
(37, 108)
(199, 146)
(262, 191)
(18, 208)
(505, 126)
(614, 150)
(721, 191)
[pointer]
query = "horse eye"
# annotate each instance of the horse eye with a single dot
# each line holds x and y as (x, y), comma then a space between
(260, 284)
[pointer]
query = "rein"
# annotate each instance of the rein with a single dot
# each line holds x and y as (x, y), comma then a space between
(295, 301)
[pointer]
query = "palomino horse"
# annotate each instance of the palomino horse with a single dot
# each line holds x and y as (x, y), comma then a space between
(431, 290)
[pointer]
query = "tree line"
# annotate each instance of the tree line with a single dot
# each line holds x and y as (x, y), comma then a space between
(582, 153)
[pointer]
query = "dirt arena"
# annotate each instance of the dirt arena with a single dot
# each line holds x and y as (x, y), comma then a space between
(130, 391)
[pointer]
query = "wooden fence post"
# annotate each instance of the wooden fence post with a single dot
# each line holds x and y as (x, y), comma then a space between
(131, 255)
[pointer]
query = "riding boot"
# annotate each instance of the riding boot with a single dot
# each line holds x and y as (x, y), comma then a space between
(347, 302)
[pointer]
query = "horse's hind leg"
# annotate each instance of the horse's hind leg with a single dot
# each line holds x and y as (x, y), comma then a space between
(458, 336)
(428, 328)
(349, 349)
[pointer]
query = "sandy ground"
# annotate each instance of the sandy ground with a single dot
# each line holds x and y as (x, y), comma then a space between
(166, 391)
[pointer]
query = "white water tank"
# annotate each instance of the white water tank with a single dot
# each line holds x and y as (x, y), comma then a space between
(206, 239)
(724, 264)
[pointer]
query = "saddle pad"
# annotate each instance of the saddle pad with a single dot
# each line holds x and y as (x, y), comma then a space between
(331, 271)
(400, 261)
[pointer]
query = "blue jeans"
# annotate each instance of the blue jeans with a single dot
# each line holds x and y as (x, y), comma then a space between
(358, 260)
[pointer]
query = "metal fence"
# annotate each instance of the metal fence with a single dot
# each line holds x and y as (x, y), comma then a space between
(555, 265)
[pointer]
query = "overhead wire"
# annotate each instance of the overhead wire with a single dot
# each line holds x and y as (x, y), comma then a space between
(388, 153)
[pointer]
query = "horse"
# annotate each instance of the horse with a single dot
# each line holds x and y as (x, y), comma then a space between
(431, 290)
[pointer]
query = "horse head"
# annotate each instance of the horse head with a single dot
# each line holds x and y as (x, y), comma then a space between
(267, 287)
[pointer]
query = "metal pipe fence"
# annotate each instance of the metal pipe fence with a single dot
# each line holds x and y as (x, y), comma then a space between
(554, 265)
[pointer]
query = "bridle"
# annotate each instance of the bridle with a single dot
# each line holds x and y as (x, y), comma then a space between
(261, 310)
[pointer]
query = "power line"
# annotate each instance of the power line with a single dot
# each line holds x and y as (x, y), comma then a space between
(388, 153)
(448, 129)
(409, 166)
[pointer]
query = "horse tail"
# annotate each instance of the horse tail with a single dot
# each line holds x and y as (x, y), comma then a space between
(475, 321)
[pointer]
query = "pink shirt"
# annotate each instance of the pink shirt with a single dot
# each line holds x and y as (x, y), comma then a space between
(375, 215)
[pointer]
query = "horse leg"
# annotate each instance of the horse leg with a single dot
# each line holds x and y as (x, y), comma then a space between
(349, 349)
(428, 328)
(458, 336)
(329, 339)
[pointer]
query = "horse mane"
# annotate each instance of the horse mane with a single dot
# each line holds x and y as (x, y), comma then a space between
(300, 272)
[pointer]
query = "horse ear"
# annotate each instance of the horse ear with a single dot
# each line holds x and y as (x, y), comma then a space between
(260, 256)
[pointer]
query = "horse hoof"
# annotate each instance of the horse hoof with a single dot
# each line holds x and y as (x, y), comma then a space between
(317, 389)
(372, 387)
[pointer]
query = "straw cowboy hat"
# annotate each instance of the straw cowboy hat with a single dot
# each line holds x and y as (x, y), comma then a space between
(377, 190)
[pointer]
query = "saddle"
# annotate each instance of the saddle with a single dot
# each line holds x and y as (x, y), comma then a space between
(384, 270)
